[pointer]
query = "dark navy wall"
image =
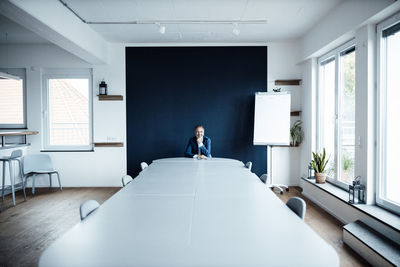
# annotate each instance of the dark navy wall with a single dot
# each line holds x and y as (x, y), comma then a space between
(169, 90)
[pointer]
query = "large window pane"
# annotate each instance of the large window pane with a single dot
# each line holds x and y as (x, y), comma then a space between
(12, 98)
(68, 112)
(391, 184)
(11, 101)
(347, 116)
(327, 112)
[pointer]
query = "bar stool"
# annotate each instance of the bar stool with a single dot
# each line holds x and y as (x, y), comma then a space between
(15, 156)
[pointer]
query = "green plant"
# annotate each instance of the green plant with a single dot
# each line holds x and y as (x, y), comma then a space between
(296, 133)
(319, 161)
(348, 162)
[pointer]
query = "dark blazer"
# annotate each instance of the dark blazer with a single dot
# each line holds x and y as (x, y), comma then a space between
(193, 149)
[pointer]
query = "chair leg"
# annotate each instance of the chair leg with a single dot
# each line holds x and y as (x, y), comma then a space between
(59, 181)
(12, 180)
(50, 181)
(33, 184)
(4, 180)
(22, 178)
(23, 187)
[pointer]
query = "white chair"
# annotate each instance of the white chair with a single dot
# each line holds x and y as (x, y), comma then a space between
(126, 179)
(264, 178)
(14, 157)
(87, 208)
(35, 164)
(298, 206)
(249, 165)
(144, 165)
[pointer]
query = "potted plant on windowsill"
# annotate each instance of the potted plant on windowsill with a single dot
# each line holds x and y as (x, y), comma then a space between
(319, 163)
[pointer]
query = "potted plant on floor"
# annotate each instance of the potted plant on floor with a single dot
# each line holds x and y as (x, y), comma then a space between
(319, 163)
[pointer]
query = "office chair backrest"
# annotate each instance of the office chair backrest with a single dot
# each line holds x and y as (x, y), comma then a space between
(37, 163)
(144, 165)
(126, 179)
(264, 178)
(16, 154)
(298, 206)
(88, 207)
(249, 165)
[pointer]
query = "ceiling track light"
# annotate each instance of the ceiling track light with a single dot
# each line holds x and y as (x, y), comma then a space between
(216, 22)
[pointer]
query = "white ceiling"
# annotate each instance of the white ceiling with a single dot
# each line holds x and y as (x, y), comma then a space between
(286, 19)
(13, 33)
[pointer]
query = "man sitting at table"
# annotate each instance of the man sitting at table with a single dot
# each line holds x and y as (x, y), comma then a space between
(199, 146)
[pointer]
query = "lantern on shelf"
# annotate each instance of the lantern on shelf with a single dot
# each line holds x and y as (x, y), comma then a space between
(357, 192)
(103, 88)
(310, 171)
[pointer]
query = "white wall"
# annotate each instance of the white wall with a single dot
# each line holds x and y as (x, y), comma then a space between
(308, 114)
(282, 64)
(104, 166)
(339, 25)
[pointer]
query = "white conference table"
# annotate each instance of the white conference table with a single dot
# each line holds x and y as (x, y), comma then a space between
(188, 212)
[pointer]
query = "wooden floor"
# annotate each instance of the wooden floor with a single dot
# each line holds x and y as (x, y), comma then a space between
(328, 227)
(29, 228)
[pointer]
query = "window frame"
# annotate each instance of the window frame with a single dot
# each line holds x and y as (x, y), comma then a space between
(334, 54)
(381, 113)
(21, 73)
(48, 74)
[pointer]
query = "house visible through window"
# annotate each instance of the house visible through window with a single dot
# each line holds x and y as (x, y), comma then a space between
(12, 99)
(388, 189)
(67, 111)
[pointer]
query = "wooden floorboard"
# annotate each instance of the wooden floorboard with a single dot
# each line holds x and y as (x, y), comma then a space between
(29, 228)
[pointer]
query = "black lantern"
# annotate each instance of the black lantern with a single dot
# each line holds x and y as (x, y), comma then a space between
(103, 88)
(357, 192)
(310, 172)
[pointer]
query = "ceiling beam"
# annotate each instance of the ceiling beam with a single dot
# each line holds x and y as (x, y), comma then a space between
(52, 21)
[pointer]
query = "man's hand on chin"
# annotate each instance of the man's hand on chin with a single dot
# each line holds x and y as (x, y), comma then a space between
(200, 141)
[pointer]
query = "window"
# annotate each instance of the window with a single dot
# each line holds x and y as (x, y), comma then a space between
(336, 112)
(388, 192)
(67, 110)
(13, 99)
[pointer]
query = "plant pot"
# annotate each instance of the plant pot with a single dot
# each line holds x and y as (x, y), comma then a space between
(320, 178)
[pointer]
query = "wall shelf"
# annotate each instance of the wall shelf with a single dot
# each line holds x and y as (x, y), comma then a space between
(108, 144)
(295, 113)
(288, 82)
(16, 133)
(111, 97)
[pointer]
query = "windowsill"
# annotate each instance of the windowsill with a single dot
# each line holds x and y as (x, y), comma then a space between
(384, 216)
(8, 129)
(9, 146)
(45, 150)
